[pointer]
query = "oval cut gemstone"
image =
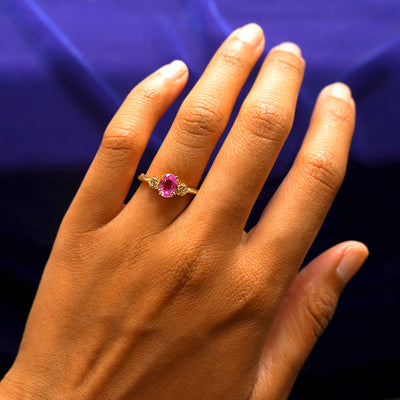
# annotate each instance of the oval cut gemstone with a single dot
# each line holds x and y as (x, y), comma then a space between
(168, 185)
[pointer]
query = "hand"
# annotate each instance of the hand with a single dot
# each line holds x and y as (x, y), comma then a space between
(170, 298)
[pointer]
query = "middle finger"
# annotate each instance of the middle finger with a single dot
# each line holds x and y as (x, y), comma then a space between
(251, 148)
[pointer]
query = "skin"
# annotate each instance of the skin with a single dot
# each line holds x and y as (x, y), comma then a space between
(171, 298)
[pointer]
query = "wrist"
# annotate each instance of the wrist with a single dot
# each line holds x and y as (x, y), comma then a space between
(8, 391)
(16, 387)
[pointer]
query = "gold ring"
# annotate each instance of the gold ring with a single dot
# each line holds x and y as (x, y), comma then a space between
(168, 185)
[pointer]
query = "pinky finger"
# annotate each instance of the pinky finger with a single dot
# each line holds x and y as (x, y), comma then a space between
(303, 317)
(106, 184)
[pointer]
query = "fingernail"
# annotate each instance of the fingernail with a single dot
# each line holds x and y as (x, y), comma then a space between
(352, 259)
(174, 70)
(251, 33)
(339, 90)
(290, 47)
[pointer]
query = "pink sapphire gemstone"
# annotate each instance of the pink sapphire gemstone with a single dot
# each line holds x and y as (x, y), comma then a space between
(168, 185)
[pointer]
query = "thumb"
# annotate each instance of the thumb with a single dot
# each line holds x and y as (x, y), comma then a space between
(304, 315)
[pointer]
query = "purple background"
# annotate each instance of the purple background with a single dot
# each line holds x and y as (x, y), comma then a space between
(66, 66)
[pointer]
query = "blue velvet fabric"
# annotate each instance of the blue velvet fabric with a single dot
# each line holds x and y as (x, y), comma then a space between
(65, 67)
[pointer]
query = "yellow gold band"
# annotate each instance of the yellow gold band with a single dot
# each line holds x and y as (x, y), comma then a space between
(168, 185)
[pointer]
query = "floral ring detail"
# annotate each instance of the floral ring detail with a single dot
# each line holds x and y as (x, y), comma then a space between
(168, 185)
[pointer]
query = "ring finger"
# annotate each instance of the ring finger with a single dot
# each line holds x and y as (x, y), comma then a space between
(201, 120)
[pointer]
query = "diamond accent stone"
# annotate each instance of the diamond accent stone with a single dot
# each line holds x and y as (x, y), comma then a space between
(168, 185)
(181, 189)
(154, 182)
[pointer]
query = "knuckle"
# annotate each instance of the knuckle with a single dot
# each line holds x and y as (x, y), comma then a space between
(250, 294)
(243, 300)
(201, 119)
(145, 93)
(288, 62)
(120, 139)
(339, 112)
(230, 57)
(323, 167)
(248, 301)
(268, 121)
(320, 308)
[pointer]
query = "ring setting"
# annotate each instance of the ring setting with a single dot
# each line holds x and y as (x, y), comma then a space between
(168, 185)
